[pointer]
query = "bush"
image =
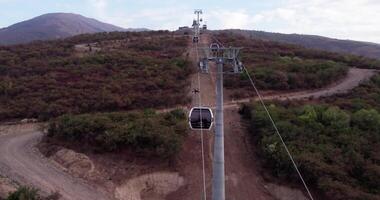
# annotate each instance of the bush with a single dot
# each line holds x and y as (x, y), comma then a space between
(27, 193)
(367, 120)
(336, 149)
(24, 193)
(144, 132)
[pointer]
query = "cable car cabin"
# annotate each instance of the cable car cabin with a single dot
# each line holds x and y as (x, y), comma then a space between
(204, 27)
(201, 118)
(195, 39)
(214, 49)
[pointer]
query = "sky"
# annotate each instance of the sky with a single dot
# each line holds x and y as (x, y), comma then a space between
(343, 19)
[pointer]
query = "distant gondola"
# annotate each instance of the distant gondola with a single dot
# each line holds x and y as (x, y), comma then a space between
(195, 39)
(201, 118)
(214, 47)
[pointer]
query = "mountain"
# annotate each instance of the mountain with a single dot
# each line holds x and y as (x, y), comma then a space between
(54, 26)
(367, 49)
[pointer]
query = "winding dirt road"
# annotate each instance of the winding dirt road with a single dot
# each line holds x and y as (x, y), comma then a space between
(22, 162)
(354, 77)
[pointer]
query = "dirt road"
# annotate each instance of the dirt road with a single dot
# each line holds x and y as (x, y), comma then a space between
(24, 164)
(243, 179)
(354, 77)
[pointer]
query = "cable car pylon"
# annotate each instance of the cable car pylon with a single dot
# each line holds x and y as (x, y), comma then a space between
(196, 25)
(222, 57)
(201, 118)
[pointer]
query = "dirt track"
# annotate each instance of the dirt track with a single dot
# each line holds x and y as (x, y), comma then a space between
(354, 77)
(20, 161)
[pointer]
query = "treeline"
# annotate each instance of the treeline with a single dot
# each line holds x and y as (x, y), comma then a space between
(145, 133)
(279, 66)
(335, 143)
(130, 70)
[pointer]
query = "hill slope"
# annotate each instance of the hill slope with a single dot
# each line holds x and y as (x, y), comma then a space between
(53, 26)
(367, 49)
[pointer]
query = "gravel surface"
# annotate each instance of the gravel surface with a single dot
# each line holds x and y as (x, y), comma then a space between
(21, 161)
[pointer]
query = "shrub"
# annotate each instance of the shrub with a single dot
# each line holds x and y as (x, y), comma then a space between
(27, 193)
(367, 120)
(144, 132)
(55, 80)
(280, 66)
(336, 149)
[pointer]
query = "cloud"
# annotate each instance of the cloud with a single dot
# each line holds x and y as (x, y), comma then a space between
(99, 4)
(153, 18)
(100, 7)
(223, 19)
(347, 19)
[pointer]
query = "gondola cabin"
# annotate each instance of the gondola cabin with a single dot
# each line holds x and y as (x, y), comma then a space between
(201, 118)
(195, 39)
(214, 49)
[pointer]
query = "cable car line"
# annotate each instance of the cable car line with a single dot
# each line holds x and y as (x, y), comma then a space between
(279, 135)
(201, 127)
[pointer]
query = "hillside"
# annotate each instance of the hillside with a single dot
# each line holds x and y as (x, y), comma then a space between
(280, 66)
(371, 50)
(122, 71)
(53, 26)
(335, 141)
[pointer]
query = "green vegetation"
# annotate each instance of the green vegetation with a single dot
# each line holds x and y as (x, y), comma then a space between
(295, 73)
(26, 193)
(367, 96)
(279, 66)
(146, 132)
(336, 143)
(123, 71)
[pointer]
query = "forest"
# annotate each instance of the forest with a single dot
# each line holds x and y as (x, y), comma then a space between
(146, 133)
(279, 66)
(336, 142)
(108, 72)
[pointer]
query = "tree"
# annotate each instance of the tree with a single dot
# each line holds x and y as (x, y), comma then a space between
(336, 118)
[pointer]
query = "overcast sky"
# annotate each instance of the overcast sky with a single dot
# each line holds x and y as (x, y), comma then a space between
(344, 19)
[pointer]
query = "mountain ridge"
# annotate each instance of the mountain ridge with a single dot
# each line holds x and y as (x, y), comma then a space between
(361, 48)
(54, 26)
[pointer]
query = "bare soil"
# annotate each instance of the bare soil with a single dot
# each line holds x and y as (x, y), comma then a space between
(22, 162)
(6, 186)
